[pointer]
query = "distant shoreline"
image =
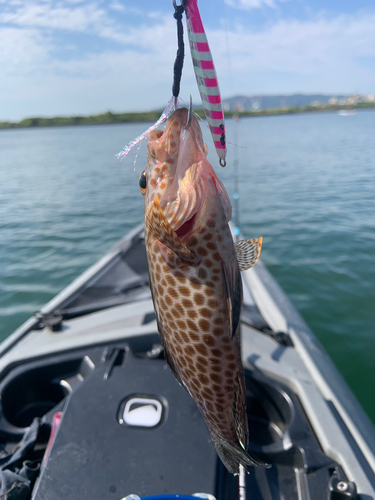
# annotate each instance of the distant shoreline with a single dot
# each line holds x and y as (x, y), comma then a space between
(152, 116)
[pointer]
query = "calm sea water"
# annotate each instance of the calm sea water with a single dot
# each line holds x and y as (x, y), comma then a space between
(307, 185)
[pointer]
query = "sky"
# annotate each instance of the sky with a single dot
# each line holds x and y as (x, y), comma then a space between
(79, 57)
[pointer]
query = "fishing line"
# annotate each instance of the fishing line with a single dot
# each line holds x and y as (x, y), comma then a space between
(236, 194)
(229, 62)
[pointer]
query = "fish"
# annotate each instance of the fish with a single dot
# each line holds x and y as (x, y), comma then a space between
(194, 271)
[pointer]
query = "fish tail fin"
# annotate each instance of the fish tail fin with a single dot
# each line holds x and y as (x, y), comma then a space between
(233, 456)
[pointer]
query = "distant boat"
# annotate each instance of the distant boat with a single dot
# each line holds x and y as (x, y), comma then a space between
(346, 112)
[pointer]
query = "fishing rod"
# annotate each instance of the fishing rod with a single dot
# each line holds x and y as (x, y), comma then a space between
(236, 187)
(242, 483)
(211, 100)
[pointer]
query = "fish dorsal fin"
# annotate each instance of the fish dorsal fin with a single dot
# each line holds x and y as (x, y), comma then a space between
(171, 245)
(248, 252)
(233, 291)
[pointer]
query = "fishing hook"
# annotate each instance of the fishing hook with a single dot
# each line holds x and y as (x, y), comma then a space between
(190, 113)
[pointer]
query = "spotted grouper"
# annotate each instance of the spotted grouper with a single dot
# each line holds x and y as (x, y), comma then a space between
(194, 269)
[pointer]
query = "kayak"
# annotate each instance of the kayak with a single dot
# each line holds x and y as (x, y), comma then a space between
(90, 409)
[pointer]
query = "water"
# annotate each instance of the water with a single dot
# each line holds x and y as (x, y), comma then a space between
(307, 185)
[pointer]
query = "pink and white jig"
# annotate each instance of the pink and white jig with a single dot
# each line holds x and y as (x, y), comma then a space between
(206, 77)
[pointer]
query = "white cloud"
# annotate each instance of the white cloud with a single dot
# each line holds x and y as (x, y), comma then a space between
(23, 52)
(75, 18)
(322, 51)
(290, 55)
(91, 19)
(34, 82)
(251, 4)
(118, 6)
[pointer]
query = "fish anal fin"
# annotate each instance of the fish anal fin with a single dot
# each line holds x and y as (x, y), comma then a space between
(172, 366)
(163, 232)
(239, 410)
(233, 290)
(233, 456)
(168, 357)
(248, 252)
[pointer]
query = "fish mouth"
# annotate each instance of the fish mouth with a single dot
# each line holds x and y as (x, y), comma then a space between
(176, 159)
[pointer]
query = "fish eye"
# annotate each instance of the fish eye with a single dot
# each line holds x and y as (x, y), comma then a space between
(143, 182)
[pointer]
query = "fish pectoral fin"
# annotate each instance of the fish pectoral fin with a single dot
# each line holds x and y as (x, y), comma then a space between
(169, 257)
(233, 291)
(164, 234)
(248, 252)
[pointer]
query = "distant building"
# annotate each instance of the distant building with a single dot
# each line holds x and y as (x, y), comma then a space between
(255, 105)
(332, 101)
(239, 106)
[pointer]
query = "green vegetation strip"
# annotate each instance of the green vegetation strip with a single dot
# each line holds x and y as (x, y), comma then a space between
(152, 116)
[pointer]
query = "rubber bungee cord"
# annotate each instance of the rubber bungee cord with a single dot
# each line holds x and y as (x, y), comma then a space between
(179, 62)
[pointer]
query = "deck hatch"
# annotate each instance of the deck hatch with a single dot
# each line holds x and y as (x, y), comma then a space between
(142, 412)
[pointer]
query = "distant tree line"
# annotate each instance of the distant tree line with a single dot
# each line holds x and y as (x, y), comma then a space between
(152, 116)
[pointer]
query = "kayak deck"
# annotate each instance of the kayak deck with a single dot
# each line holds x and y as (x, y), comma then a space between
(95, 349)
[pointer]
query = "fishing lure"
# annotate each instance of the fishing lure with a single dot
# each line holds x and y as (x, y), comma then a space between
(164, 116)
(206, 77)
